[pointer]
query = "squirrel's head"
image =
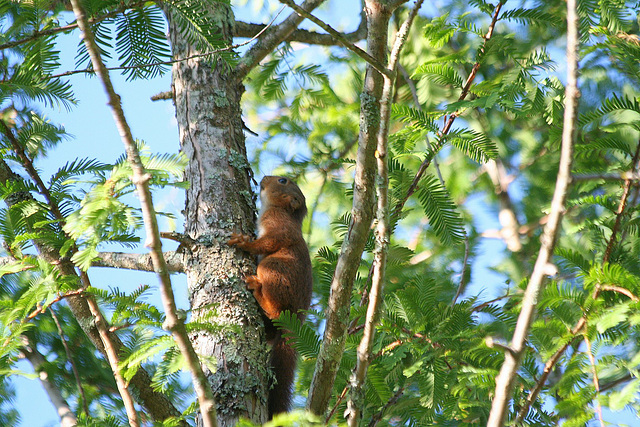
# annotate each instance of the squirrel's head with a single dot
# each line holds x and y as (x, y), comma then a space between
(279, 191)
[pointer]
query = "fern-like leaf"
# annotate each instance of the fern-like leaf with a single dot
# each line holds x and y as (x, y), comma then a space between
(441, 211)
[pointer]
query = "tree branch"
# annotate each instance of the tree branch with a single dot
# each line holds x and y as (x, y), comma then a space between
(533, 394)
(508, 372)
(37, 360)
(270, 39)
(74, 368)
(382, 231)
(140, 262)
(114, 360)
(340, 38)
(362, 213)
(244, 29)
(140, 178)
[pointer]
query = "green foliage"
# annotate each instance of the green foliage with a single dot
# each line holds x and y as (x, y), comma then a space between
(141, 41)
(193, 19)
(466, 103)
(103, 215)
(301, 335)
(441, 211)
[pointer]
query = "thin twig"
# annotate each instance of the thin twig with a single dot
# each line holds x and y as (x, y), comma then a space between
(246, 29)
(462, 283)
(141, 178)
(340, 37)
(335, 407)
(548, 367)
(508, 372)
(447, 127)
(113, 358)
(41, 309)
(74, 368)
(621, 208)
(624, 176)
(620, 290)
(488, 303)
(266, 44)
(394, 399)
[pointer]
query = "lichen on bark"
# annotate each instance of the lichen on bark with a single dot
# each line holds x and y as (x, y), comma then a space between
(207, 100)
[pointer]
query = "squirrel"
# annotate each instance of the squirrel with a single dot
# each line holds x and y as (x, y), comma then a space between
(283, 280)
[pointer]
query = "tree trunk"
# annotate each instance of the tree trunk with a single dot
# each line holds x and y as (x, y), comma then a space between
(219, 200)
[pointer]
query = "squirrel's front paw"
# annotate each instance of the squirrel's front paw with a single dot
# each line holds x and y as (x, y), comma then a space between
(253, 283)
(239, 239)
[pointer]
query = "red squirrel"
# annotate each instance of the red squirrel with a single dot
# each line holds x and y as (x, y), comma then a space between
(283, 280)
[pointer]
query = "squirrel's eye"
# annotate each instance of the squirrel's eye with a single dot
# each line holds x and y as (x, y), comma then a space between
(282, 180)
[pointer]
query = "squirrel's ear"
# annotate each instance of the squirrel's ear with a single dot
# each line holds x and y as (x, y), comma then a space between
(294, 202)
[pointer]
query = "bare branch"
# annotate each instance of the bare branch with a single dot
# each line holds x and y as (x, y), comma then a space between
(181, 238)
(141, 262)
(38, 361)
(162, 96)
(244, 29)
(74, 368)
(382, 232)
(340, 38)
(362, 213)
(273, 37)
(508, 372)
(140, 178)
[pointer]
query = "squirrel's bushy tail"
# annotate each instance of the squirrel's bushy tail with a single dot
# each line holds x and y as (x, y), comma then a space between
(283, 361)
